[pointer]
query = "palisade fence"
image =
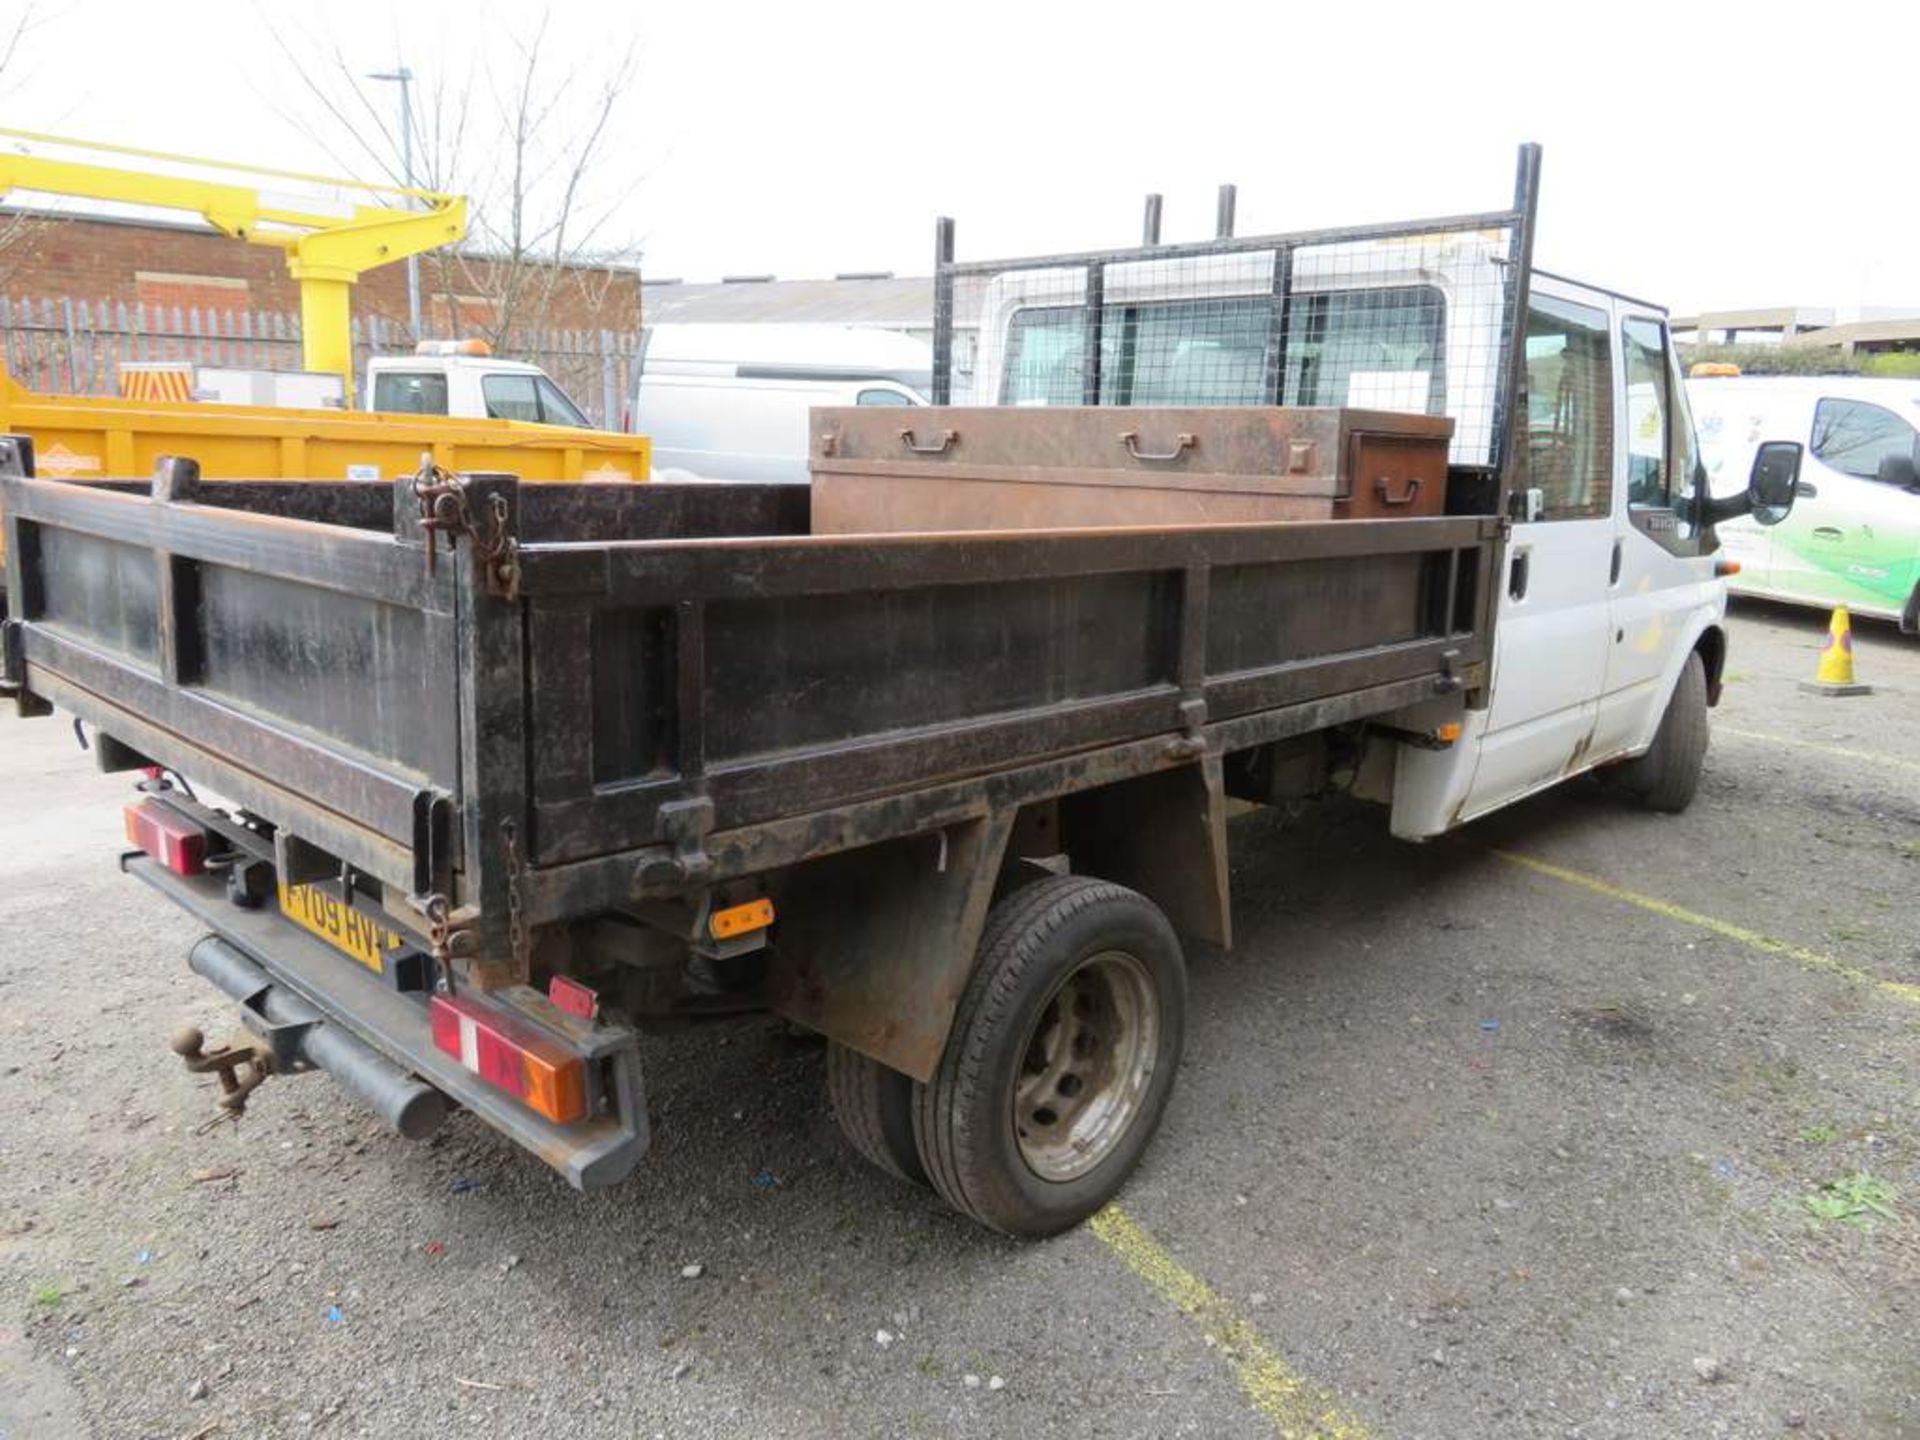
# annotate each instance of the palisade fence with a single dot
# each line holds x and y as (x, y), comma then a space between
(76, 347)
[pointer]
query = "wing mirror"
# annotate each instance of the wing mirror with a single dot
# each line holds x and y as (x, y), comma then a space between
(1771, 486)
(1898, 470)
(1773, 481)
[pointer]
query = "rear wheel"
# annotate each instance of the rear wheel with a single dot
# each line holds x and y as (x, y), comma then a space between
(1666, 777)
(1061, 1057)
(874, 1105)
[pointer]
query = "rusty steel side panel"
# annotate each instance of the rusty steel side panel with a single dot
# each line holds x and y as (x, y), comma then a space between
(780, 676)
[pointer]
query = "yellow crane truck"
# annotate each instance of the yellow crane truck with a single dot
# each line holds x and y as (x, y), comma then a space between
(329, 244)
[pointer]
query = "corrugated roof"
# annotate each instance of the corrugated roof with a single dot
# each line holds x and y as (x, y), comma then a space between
(897, 303)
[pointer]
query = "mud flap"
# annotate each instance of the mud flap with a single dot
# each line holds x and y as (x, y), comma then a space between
(875, 945)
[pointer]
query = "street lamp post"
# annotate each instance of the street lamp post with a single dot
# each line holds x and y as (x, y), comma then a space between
(403, 77)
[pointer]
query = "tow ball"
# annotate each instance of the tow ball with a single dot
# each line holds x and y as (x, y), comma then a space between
(228, 1063)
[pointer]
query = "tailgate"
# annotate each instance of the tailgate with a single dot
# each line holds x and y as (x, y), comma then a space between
(289, 654)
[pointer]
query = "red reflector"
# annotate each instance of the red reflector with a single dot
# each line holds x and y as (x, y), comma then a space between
(168, 837)
(511, 1054)
(573, 997)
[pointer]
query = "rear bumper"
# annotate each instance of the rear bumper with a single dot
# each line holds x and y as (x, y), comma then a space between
(376, 1040)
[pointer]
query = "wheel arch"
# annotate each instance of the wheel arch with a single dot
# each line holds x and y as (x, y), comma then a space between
(875, 945)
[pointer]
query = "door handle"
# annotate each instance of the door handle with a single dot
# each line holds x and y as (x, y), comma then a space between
(1829, 532)
(1613, 570)
(1517, 574)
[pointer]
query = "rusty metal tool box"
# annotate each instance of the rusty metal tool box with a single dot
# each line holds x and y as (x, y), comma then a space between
(1005, 468)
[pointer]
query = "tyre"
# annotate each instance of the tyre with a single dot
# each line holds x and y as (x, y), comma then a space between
(1061, 1057)
(1666, 777)
(874, 1105)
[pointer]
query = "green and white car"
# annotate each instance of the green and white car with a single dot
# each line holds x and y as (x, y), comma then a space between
(1853, 537)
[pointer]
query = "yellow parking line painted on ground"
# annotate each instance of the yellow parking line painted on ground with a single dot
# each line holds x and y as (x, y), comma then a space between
(1297, 1407)
(1839, 752)
(1799, 954)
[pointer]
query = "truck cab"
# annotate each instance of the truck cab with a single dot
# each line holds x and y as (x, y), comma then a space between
(463, 378)
(1611, 603)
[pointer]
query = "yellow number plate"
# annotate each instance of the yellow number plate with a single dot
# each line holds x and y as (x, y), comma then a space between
(341, 926)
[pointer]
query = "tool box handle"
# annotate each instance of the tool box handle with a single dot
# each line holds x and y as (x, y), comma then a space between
(945, 443)
(1182, 443)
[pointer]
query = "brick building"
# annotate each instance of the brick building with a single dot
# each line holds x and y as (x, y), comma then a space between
(170, 264)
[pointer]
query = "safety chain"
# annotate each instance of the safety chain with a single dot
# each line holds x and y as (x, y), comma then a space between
(445, 510)
(440, 940)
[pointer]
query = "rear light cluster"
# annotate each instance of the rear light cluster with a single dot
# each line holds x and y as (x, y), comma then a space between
(168, 837)
(513, 1055)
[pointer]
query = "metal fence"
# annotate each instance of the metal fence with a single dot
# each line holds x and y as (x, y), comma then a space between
(76, 347)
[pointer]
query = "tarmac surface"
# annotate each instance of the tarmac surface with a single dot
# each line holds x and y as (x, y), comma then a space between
(1581, 1122)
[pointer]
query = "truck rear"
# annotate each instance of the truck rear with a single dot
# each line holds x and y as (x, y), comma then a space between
(472, 781)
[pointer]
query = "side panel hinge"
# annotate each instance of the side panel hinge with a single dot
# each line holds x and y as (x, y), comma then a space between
(445, 509)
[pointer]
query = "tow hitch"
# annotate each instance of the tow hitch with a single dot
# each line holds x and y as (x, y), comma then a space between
(226, 1062)
(294, 1036)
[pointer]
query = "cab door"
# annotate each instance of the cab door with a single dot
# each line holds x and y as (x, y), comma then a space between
(1659, 578)
(1551, 639)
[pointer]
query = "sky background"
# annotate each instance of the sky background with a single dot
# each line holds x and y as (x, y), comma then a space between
(1700, 155)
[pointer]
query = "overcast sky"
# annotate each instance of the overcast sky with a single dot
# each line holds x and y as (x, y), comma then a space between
(1702, 155)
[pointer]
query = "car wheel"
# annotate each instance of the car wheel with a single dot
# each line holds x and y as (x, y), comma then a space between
(1061, 1057)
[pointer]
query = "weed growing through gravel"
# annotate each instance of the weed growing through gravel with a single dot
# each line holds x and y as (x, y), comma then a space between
(47, 1296)
(1858, 1199)
(1819, 1134)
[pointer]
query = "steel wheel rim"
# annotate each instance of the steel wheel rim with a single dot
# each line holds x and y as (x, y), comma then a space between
(1086, 1066)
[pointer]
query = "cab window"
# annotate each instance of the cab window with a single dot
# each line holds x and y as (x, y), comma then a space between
(1664, 471)
(1045, 364)
(510, 397)
(881, 397)
(1649, 407)
(1201, 352)
(402, 393)
(1854, 437)
(1383, 349)
(555, 407)
(1380, 349)
(1569, 409)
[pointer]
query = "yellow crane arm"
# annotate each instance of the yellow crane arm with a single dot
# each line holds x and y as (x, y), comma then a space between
(329, 246)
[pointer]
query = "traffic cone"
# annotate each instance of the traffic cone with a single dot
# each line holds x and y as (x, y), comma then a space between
(1835, 673)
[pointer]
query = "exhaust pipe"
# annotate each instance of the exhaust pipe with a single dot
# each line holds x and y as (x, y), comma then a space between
(410, 1106)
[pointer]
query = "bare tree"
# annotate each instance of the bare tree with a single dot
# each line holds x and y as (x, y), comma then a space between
(20, 230)
(528, 134)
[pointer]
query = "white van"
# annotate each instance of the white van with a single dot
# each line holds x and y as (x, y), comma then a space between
(1853, 538)
(730, 402)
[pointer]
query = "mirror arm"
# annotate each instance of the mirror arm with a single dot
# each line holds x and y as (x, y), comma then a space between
(1714, 509)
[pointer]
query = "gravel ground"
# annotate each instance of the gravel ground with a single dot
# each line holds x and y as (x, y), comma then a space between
(1476, 1148)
